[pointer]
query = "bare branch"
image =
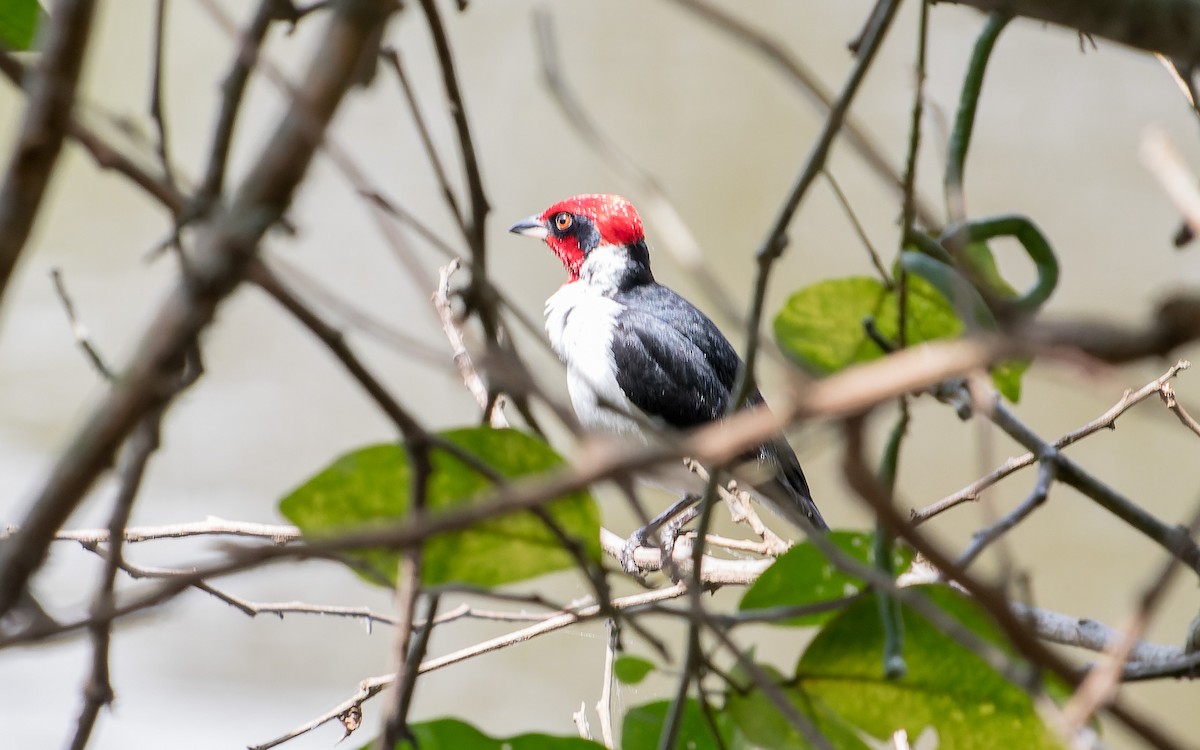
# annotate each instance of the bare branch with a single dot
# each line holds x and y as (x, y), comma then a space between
(1171, 27)
(51, 86)
(1037, 497)
(776, 240)
(493, 411)
(82, 338)
(1107, 420)
(370, 687)
(855, 134)
(225, 250)
(1168, 396)
(1100, 686)
(98, 691)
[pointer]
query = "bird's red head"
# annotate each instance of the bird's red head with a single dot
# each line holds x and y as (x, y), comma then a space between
(578, 225)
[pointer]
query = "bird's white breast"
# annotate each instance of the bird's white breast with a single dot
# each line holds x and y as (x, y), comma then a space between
(580, 323)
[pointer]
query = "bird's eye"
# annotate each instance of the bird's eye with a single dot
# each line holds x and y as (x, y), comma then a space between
(563, 221)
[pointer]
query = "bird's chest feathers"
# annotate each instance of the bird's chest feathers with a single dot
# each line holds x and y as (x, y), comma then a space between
(580, 324)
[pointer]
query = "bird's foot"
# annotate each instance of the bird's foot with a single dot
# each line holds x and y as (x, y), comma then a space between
(661, 532)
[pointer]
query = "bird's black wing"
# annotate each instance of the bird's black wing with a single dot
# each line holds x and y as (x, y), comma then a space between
(672, 362)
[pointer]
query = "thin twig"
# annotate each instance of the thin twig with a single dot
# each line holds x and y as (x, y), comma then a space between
(1100, 685)
(233, 90)
(493, 412)
(83, 339)
(809, 84)
(390, 55)
(1107, 420)
(354, 317)
(867, 489)
(157, 109)
(1174, 539)
(858, 229)
(1037, 496)
(1167, 393)
(1179, 182)
(370, 687)
(604, 706)
(51, 98)
(652, 199)
(98, 691)
(776, 239)
(225, 250)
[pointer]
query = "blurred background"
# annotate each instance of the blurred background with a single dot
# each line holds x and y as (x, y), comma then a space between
(1057, 138)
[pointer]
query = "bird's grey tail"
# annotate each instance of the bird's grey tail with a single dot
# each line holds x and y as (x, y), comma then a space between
(788, 489)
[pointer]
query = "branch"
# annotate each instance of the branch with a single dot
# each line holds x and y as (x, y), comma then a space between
(1171, 27)
(493, 410)
(51, 88)
(776, 240)
(855, 134)
(370, 687)
(224, 252)
(1107, 420)
(98, 692)
(1175, 539)
(875, 497)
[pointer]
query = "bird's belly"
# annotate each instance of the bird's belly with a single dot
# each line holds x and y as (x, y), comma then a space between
(580, 328)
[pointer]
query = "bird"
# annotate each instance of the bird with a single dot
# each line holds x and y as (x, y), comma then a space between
(638, 354)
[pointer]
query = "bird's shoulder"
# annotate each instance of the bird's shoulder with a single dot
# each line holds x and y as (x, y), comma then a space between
(671, 360)
(669, 324)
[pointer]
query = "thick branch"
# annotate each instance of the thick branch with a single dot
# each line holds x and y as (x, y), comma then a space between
(224, 252)
(1171, 27)
(51, 90)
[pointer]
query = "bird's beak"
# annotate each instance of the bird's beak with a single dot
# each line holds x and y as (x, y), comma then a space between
(530, 227)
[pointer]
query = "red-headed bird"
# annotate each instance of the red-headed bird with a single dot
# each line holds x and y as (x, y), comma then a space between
(637, 352)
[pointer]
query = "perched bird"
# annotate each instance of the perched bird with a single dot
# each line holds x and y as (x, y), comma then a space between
(636, 352)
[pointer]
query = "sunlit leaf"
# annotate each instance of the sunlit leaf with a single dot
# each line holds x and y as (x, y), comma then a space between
(821, 326)
(370, 487)
(947, 687)
(18, 22)
(802, 576)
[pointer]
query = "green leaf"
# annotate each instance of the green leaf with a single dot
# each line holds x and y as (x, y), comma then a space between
(643, 726)
(762, 723)
(370, 487)
(821, 326)
(947, 687)
(1007, 378)
(631, 669)
(18, 22)
(451, 734)
(802, 576)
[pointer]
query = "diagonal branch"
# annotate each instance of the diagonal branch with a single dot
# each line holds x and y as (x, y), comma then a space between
(224, 252)
(51, 88)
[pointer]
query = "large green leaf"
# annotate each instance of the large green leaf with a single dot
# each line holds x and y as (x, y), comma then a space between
(761, 722)
(18, 21)
(643, 726)
(802, 576)
(371, 487)
(451, 734)
(947, 687)
(821, 326)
